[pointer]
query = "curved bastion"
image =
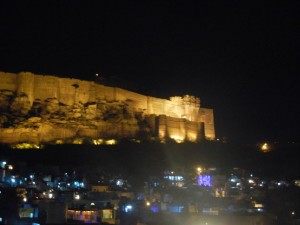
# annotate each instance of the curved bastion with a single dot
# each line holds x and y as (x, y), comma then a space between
(42, 109)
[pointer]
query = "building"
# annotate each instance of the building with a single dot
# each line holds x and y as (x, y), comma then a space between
(64, 109)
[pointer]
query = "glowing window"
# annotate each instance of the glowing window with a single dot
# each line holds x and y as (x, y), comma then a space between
(204, 180)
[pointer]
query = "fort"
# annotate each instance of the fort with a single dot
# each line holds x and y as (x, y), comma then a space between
(44, 108)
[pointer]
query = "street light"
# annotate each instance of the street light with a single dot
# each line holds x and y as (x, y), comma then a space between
(199, 170)
(265, 147)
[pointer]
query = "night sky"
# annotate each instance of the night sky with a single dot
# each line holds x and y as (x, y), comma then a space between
(240, 57)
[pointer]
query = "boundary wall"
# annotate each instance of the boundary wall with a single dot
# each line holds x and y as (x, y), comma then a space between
(69, 91)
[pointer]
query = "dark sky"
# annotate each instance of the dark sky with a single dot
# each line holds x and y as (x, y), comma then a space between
(240, 57)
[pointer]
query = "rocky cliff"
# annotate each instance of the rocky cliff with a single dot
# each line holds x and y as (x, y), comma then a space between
(50, 120)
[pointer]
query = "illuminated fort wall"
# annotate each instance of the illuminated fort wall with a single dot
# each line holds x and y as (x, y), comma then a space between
(180, 118)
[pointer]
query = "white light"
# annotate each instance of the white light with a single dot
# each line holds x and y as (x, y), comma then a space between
(3, 164)
(119, 182)
(77, 197)
(128, 208)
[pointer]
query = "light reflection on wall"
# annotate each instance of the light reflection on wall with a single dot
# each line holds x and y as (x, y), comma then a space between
(98, 141)
(177, 138)
(179, 129)
(59, 142)
(111, 142)
(26, 146)
(78, 141)
(191, 137)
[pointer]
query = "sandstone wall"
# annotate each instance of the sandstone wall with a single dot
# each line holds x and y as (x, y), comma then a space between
(8, 81)
(172, 109)
(155, 106)
(194, 131)
(103, 92)
(45, 87)
(179, 129)
(207, 117)
(140, 101)
(176, 128)
(69, 91)
(180, 118)
(12, 135)
(25, 85)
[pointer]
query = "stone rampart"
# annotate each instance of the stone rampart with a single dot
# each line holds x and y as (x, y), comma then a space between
(206, 116)
(180, 118)
(8, 81)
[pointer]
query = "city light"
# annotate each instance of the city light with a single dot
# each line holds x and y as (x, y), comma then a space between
(3, 163)
(98, 141)
(265, 147)
(204, 180)
(199, 170)
(111, 142)
(77, 196)
(128, 208)
(26, 146)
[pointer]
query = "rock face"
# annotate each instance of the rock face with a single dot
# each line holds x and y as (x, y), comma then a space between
(20, 105)
(50, 120)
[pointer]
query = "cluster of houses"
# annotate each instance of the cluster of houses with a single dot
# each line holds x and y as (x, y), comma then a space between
(37, 198)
